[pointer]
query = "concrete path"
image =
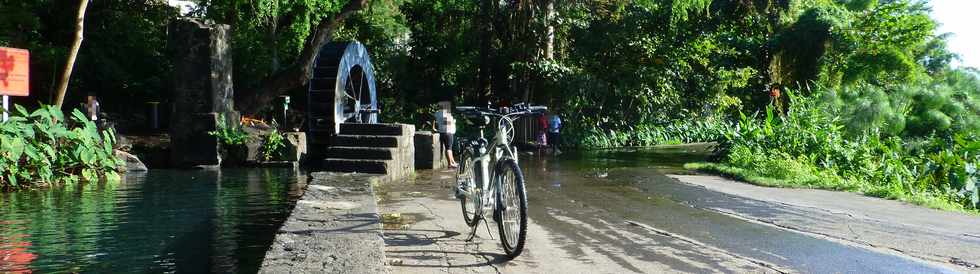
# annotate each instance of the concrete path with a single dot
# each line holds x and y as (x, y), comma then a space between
(334, 228)
(946, 237)
(425, 233)
(589, 218)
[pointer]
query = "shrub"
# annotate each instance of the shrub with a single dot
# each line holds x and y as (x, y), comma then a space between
(812, 145)
(677, 132)
(40, 148)
(273, 145)
(229, 135)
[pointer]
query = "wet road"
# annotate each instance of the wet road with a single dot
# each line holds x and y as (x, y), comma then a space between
(613, 213)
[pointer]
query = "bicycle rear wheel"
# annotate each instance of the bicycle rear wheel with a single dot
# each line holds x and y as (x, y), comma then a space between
(464, 177)
(511, 208)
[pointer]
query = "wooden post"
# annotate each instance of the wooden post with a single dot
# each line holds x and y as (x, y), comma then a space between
(5, 107)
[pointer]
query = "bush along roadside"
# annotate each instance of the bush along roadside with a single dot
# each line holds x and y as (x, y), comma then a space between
(813, 145)
(43, 148)
(678, 132)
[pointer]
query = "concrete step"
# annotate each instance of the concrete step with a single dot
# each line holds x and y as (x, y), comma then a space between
(359, 166)
(361, 153)
(369, 141)
(375, 129)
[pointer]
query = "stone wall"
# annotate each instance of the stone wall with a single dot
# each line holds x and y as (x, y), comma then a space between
(202, 90)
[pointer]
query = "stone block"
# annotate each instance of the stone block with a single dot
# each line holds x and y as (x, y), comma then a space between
(130, 162)
(295, 146)
(191, 145)
(202, 90)
(202, 67)
(254, 149)
(428, 151)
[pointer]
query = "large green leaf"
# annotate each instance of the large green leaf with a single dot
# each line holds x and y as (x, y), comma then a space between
(14, 148)
(21, 111)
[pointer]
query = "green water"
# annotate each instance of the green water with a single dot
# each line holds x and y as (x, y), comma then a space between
(667, 159)
(159, 221)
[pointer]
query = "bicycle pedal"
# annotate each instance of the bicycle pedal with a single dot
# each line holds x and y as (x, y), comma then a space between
(461, 193)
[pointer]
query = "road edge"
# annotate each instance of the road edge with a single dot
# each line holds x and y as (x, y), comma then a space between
(930, 259)
(335, 227)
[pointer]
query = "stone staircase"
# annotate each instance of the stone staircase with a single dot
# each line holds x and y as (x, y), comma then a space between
(372, 148)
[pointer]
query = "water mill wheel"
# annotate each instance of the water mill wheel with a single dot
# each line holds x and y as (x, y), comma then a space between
(341, 89)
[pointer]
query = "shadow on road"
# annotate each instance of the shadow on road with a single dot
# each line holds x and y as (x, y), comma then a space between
(424, 258)
(436, 249)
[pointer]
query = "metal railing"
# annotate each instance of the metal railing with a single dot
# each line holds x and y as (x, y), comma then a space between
(526, 130)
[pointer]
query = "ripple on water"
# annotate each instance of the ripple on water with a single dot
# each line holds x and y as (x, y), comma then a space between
(160, 221)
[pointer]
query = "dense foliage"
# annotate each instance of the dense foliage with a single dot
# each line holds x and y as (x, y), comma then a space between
(40, 148)
(619, 65)
(122, 59)
(865, 145)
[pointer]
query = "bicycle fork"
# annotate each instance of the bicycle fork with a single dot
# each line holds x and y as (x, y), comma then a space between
(485, 191)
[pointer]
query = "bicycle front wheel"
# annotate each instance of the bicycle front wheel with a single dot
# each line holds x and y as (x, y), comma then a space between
(512, 208)
(465, 179)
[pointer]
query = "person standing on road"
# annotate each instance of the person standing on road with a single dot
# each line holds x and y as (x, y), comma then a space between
(446, 125)
(554, 128)
(542, 131)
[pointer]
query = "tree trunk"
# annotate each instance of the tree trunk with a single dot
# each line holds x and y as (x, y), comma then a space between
(70, 63)
(486, 33)
(549, 43)
(273, 38)
(299, 72)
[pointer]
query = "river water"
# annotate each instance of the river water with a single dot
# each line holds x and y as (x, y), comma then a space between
(158, 221)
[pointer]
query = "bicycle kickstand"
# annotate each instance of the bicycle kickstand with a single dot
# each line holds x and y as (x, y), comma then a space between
(476, 228)
(489, 233)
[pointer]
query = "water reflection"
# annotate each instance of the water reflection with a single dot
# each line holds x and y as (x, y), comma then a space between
(161, 221)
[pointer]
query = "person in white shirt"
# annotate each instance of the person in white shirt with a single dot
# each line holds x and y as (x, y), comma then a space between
(92, 107)
(446, 125)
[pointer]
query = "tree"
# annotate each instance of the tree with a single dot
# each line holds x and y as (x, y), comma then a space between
(66, 75)
(299, 72)
(484, 23)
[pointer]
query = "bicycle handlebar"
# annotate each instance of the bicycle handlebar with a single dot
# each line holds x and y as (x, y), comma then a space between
(518, 109)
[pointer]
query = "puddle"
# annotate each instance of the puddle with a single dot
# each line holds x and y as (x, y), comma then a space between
(400, 221)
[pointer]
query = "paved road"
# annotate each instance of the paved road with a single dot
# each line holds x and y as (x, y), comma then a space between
(594, 217)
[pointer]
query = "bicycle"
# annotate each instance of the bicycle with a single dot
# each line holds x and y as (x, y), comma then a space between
(499, 192)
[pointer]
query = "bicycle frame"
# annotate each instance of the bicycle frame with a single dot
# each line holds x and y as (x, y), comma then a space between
(501, 150)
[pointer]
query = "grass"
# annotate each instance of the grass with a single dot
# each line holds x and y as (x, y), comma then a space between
(826, 182)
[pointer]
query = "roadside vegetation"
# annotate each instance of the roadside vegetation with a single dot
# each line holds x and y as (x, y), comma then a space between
(43, 148)
(831, 141)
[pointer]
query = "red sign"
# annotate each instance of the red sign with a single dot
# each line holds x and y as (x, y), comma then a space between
(15, 75)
